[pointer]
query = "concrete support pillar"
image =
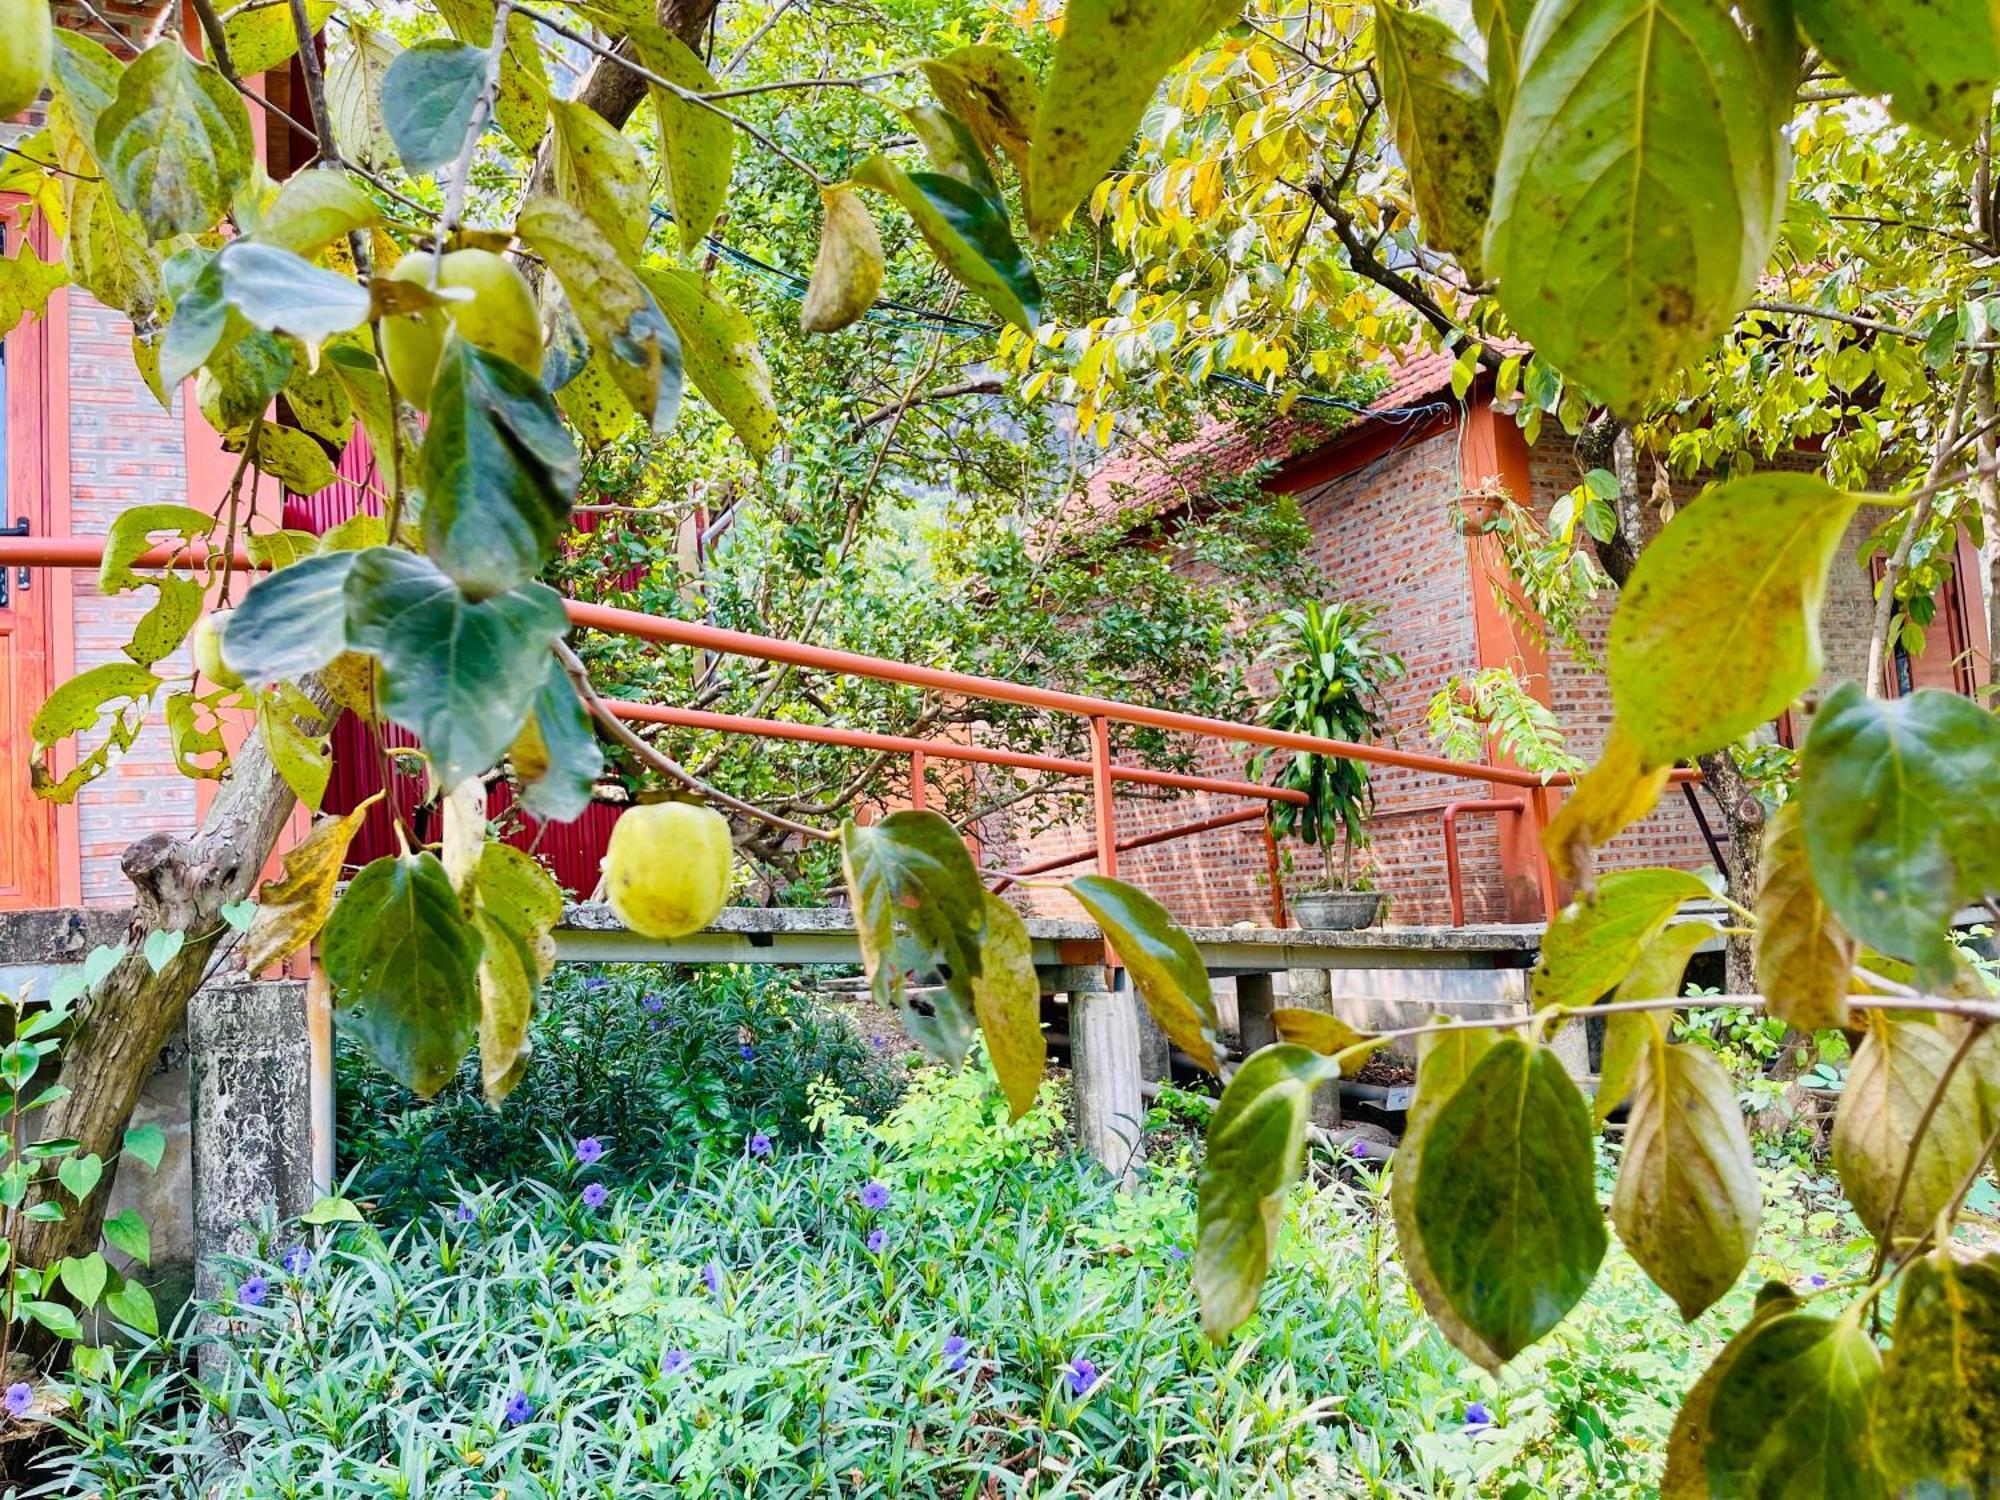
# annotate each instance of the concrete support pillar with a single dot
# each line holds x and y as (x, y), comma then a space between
(250, 1078)
(1311, 989)
(1105, 1074)
(1571, 1045)
(1254, 999)
(1156, 1051)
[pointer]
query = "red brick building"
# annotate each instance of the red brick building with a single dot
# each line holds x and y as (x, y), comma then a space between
(1382, 502)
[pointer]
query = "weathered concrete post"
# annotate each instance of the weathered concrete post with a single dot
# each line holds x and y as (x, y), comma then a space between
(1105, 1071)
(1312, 989)
(250, 1076)
(1156, 1051)
(1253, 1011)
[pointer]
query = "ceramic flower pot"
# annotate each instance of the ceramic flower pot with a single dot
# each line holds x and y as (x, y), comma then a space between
(1337, 911)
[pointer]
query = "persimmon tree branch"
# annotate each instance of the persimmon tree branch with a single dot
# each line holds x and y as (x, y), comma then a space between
(1913, 527)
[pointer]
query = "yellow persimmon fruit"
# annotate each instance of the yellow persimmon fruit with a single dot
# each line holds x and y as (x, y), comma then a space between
(499, 317)
(667, 870)
(207, 643)
(27, 50)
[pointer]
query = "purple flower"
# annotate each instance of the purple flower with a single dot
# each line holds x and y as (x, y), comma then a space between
(954, 1353)
(595, 1194)
(712, 1275)
(596, 982)
(1816, 1282)
(1082, 1375)
(463, 1213)
(1358, 1151)
(760, 1144)
(519, 1409)
(20, 1399)
(875, 1196)
(654, 1004)
(878, 1041)
(253, 1292)
(297, 1261)
(878, 1241)
(675, 1361)
(1175, 1252)
(748, 1051)
(1476, 1415)
(590, 1151)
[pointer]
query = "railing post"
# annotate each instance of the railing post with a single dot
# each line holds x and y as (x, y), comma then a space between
(1102, 792)
(1274, 867)
(1540, 812)
(917, 789)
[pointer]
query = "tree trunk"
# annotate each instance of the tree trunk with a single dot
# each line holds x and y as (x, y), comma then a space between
(181, 884)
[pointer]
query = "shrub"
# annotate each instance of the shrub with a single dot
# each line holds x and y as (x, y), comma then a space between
(672, 1067)
(737, 1335)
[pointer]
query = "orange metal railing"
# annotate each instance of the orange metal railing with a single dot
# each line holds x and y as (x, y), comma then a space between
(1101, 713)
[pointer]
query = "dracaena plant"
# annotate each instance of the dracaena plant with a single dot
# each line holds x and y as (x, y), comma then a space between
(1603, 180)
(1332, 664)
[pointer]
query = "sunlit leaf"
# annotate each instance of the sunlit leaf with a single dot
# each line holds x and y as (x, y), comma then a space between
(354, 78)
(1889, 1087)
(1446, 129)
(1322, 1031)
(556, 756)
(116, 690)
(719, 347)
(969, 235)
(1007, 998)
(521, 107)
(1805, 958)
(174, 142)
(1614, 794)
(599, 172)
(261, 35)
(294, 733)
(847, 272)
(1256, 1146)
(1166, 967)
(292, 910)
(428, 98)
(1789, 1416)
(1638, 190)
(1936, 1428)
(1594, 941)
(697, 145)
(515, 907)
(1657, 973)
(314, 210)
(991, 90)
(1937, 61)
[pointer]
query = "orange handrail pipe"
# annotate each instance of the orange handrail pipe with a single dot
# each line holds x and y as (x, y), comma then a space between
(1452, 874)
(1137, 841)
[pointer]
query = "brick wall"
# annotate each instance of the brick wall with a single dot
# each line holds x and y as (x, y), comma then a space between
(124, 450)
(1385, 534)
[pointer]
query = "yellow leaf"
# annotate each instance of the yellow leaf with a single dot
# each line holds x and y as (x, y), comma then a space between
(291, 911)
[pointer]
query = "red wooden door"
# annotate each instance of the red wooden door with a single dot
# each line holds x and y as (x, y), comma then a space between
(27, 823)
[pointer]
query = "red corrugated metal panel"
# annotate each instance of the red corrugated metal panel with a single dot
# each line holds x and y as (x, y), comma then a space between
(571, 852)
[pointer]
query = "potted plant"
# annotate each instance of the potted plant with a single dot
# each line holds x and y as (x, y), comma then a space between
(1331, 667)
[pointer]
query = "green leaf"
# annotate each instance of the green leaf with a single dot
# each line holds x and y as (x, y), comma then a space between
(847, 271)
(314, 210)
(955, 152)
(1805, 958)
(178, 602)
(1657, 973)
(1901, 826)
(1504, 25)
(1936, 1428)
(599, 172)
(515, 907)
(428, 98)
(968, 233)
(1639, 186)
(291, 911)
(80, 1175)
(1687, 1446)
(200, 325)
(1256, 1147)
(132, 1305)
(59, 1320)
(1789, 1416)
(1108, 64)
(992, 91)
(459, 673)
(109, 256)
(174, 142)
(1937, 61)
(332, 1211)
(354, 77)
(1889, 1086)
(1166, 967)
(1766, 544)
(918, 907)
(261, 36)
(295, 734)
(556, 756)
(1322, 1031)
(1594, 942)
(1007, 998)
(80, 705)
(403, 963)
(26, 280)
(84, 79)
(320, 406)
(641, 349)
(697, 145)
(291, 622)
(719, 345)
(127, 1233)
(283, 293)
(1446, 129)
(240, 915)
(1687, 1204)
(294, 459)
(162, 948)
(521, 107)
(84, 1277)
(498, 471)
(1505, 1205)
